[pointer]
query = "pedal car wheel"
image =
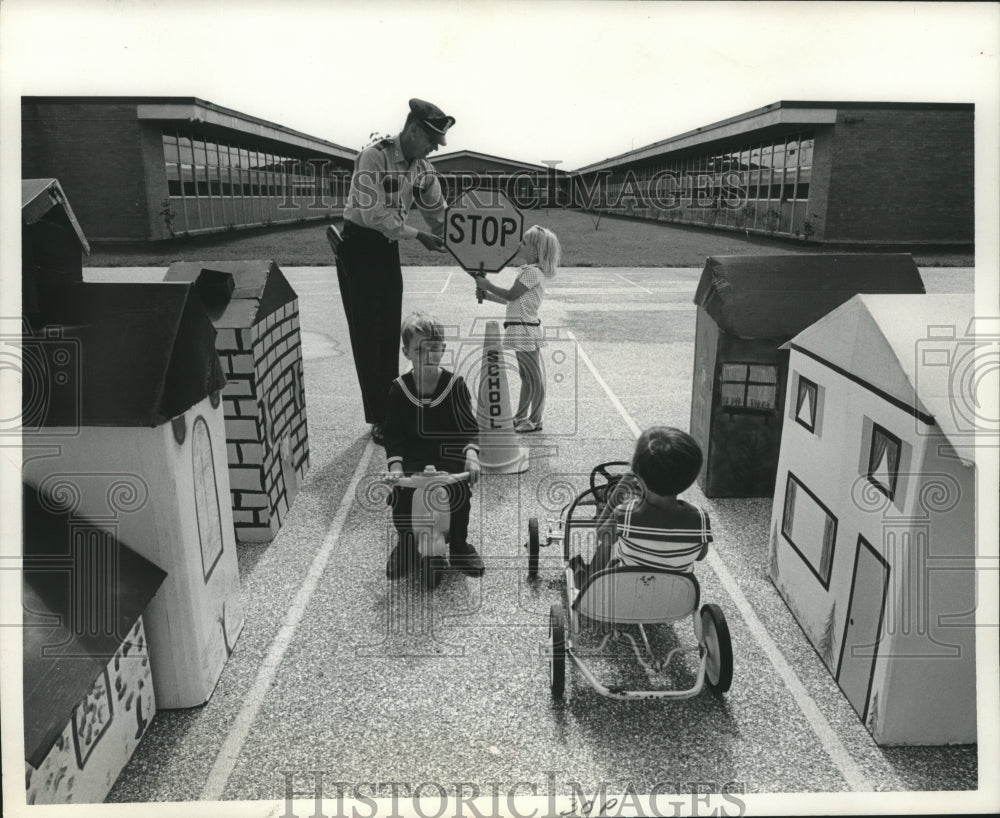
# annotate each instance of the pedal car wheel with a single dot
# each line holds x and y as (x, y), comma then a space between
(557, 651)
(715, 632)
(533, 546)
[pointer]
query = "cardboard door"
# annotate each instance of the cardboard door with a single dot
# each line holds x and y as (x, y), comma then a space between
(859, 647)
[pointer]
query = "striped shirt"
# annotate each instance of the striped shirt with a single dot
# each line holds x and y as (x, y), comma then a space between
(650, 536)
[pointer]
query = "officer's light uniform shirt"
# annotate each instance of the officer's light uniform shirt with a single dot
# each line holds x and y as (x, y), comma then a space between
(382, 191)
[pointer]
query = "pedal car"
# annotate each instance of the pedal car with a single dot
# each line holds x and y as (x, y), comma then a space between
(431, 515)
(625, 596)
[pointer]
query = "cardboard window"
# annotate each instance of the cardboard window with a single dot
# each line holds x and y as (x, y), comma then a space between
(748, 386)
(806, 404)
(810, 528)
(883, 461)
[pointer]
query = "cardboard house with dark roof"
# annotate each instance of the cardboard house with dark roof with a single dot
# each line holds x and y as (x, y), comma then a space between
(52, 245)
(255, 312)
(128, 415)
(748, 306)
(873, 525)
(88, 688)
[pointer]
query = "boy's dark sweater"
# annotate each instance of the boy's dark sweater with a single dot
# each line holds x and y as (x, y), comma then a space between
(436, 429)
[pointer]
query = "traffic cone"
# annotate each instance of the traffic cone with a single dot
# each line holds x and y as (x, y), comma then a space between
(499, 451)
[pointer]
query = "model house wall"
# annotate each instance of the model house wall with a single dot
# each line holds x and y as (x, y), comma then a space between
(88, 688)
(143, 444)
(260, 349)
(873, 523)
(748, 306)
(52, 244)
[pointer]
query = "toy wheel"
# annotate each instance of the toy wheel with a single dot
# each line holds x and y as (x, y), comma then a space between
(715, 633)
(533, 547)
(557, 651)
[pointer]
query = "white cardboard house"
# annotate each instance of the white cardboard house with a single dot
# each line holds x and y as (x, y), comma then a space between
(256, 313)
(873, 523)
(133, 424)
(88, 689)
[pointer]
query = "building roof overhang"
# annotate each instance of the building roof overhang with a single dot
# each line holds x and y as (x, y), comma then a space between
(198, 111)
(782, 115)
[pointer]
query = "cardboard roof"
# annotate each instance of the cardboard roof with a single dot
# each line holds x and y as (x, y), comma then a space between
(894, 343)
(62, 658)
(39, 197)
(259, 289)
(778, 296)
(140, 354)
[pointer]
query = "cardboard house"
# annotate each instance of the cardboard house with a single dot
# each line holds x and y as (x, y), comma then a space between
(748, 306)
(88, 689)
(52, 245)
(256, 313)
(135, 428)
(872, 540)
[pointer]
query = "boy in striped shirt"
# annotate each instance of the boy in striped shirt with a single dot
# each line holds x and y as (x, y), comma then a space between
(655, 528)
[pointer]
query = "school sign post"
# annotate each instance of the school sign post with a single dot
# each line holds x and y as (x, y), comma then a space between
(483, 231)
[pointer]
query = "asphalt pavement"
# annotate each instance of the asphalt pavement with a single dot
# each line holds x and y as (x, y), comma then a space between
(446, 694)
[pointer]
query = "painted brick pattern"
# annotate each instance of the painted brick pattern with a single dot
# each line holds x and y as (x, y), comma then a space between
(266, 430)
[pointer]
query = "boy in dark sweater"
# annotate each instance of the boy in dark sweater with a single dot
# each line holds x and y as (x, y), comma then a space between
(430, 422)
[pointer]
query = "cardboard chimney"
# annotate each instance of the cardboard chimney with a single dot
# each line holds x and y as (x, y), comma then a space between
(255, 311)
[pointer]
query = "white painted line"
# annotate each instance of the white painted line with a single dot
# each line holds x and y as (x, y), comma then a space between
(448, 281)
(229, 753)
(834, 747)
(636, 431)
(619, 275)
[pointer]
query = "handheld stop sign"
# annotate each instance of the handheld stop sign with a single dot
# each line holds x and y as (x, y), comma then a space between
(483, 231)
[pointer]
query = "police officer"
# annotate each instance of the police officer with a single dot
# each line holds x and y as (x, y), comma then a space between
(390, 176)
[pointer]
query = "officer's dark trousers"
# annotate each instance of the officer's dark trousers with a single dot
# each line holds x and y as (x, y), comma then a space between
(371, 286)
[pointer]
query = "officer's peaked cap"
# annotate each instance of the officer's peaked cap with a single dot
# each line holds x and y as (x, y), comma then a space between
(431, 116)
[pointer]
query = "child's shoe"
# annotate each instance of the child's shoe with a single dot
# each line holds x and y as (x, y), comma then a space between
(463, 557)
(401, 561)
(431, 571)
(527, 426)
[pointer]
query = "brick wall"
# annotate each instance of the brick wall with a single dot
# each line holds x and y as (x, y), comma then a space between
(901, 175)
(95, 152)
(266, 430)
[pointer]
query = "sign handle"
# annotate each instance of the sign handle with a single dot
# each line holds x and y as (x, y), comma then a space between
(479, 293)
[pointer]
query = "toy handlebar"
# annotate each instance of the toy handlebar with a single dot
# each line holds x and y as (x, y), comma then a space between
(429, 476)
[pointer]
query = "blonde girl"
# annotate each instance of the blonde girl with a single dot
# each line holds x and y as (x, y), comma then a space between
(541, 252)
